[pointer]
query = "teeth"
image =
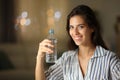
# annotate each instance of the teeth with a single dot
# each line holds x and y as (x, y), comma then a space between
(76, 38)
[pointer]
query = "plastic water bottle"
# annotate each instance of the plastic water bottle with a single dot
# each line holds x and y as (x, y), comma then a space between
(51, 58)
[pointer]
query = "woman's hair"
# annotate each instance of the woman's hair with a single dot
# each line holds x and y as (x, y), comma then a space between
(90, 18)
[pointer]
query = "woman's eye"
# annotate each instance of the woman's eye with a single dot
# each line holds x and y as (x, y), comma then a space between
(81, 26)
(71, 27)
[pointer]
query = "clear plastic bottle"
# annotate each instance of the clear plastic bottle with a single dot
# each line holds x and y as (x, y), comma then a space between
(51, 58)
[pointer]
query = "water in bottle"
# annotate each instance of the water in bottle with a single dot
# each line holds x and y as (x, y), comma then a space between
(51, 58)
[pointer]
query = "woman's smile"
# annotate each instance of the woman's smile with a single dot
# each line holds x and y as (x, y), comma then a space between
(77, 38)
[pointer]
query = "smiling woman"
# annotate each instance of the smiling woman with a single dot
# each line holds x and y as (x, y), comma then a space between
(89, 58)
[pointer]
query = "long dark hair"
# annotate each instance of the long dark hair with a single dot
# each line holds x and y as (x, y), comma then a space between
(90, 18)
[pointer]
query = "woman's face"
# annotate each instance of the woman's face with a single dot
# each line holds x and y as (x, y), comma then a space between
(80, 31)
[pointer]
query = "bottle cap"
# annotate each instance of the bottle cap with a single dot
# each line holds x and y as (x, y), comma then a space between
(51, 31)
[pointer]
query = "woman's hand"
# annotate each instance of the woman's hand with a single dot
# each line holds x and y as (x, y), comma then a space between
(44, 47)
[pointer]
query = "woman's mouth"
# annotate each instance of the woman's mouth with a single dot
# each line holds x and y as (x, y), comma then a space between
(77, 38)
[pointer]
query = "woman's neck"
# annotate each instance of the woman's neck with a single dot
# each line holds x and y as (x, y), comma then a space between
(86, 51)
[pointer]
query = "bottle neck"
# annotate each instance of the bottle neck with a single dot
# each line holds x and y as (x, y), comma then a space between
(51, 36)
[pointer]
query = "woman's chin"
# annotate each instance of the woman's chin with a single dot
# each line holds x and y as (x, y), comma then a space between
(77, 43)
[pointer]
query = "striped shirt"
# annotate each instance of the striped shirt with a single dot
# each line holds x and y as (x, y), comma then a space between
(103, 65)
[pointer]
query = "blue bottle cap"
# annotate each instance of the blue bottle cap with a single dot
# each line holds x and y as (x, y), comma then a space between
(51, 31)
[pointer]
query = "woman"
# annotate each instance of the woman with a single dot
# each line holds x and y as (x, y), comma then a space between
(88, 58)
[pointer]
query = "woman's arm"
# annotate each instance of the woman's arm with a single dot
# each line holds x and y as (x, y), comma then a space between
(39, 70)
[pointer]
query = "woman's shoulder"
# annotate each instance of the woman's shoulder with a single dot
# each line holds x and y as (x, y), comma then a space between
(104, 52)
(108, 55)
(67, 56)
(69, 53)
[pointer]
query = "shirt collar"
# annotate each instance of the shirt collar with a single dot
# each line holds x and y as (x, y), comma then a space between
(99, 52)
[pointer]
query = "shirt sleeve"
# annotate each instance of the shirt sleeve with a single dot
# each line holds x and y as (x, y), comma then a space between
(55, 72)
(115, 68)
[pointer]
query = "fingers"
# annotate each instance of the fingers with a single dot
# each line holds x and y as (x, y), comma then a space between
(46, 43)
(45, 47)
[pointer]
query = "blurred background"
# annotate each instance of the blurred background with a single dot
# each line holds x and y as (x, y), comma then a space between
(24, 23)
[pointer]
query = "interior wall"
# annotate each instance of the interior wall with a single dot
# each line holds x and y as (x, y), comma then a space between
(107, 12)
(38, 29)
(37, 10)
(28, 37)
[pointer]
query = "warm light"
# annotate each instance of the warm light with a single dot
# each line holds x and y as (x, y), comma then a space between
(23, 21)
(50, 12)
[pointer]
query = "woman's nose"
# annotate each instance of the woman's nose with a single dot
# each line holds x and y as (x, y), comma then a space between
(76, 31)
